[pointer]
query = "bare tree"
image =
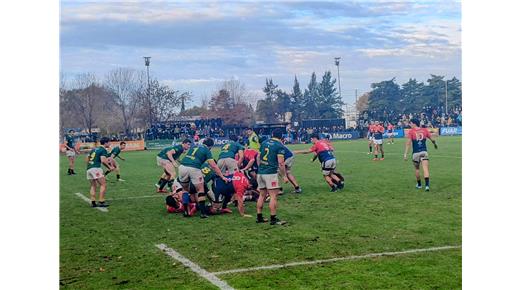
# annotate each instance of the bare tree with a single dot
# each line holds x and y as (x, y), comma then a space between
(161, 102)
(85, 97)
(127, 87)
(237, 91)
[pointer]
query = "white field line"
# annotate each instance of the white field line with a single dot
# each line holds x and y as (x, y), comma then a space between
(391, 153)
(413, 251)
(194, 267)
(136, 197)
(103, 209)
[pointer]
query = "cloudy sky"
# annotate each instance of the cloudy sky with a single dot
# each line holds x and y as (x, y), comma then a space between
(194, 45)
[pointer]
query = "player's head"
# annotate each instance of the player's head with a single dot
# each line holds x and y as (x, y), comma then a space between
(414, 123)
(376, 122)
(249, 131)
(315, 137)
(277, 133)
(122, 145)
(104, 142)
(186, 144)
(233, 137)
(208, 142)
(371, 122)
(71, 132)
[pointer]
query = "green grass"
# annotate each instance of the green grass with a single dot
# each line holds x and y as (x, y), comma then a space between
(379, 210)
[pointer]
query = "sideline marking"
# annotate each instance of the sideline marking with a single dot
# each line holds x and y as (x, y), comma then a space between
(270, 267)
(103, 209)
(194, 267)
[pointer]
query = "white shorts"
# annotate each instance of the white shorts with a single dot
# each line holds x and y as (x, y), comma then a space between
(268, 181)
(95, 173)
(378, 141)
(289, 162)
(187, 174)
(328, 166)
(418, 157)
(176, 186)
(70, 153)
(227, 164)
(163, 162)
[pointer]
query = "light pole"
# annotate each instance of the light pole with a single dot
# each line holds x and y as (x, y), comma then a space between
(446, 90)
(147, 64)
(339, 83)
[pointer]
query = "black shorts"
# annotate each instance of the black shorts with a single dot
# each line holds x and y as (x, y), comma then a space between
(193, 189)
(222, 189)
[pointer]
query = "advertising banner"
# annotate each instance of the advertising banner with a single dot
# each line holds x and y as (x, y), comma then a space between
(85, 147)
(397, 133)
(450, 131)
(343, 135)
(158, 144)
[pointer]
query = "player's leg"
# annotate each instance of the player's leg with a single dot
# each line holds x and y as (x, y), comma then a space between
(93, 187)
(369, 146)
(426, 173)
(382, 150)
(376, 150)
(417, 164)
(117, 170)
(261, 199)
(197, 179)
(102, 190)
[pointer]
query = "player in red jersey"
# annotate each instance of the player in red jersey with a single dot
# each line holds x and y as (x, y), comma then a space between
(324, 152)
(390, 130)
(378, 131)
(417, 137)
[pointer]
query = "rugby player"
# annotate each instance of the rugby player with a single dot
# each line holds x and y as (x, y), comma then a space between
(324, 152)
(250, 165)
(70, 146)
(226, 159)
(271, 161)
(175, 201)
(167, 159)
(96, 157)
(252, 142)
(190, 171)
(417, 137)
(112, 159)
(378, 131)
(390, 130)
(370, 137)
(289, 161)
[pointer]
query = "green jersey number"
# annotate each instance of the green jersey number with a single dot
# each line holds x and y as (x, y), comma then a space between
(192, 156)
(266, 150)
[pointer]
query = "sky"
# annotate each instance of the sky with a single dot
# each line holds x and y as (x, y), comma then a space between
(195, 45)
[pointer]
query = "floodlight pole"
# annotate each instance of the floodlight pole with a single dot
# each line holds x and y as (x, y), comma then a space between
(446, 90)
(147, 64)
(339, 83)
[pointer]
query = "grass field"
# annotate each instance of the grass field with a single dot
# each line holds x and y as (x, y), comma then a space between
(379, 210)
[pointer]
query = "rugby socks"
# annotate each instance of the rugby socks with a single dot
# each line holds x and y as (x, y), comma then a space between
(259, 218)
(93, 203)
(162, 183)
(170, 185)
(107, 172)
(273, 218)
(375, 156)
(427, 181)
(370, 148)
(419, 182)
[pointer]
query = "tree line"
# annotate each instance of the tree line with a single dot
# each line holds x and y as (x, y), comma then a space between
(319, 100)
(411, 97)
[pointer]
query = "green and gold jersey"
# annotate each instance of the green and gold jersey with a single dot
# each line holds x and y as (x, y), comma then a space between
(230, 149)
(69, 139)
(254, 142)
(178, 151)
(269, 152)
(115, 152)
(209, 174)
(94, 157)
(196, 156)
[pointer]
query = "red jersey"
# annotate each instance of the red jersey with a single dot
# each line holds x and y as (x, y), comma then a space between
(390, 127)
(371, 128)
(419, 137)
(249, 154)
(240, 183)
(323, 149)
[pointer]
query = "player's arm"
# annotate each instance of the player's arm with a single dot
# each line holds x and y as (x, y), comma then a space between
(169, 154)
(281, 167)
(107, 163)
(303, 151)
(118, 156)
(240, 157)
(433, 141)
(249, 164)
(407, 147)
(314, 157)
(215, 168)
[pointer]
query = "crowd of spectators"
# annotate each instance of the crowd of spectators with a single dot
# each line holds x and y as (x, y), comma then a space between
(429, 117)
(186, 129)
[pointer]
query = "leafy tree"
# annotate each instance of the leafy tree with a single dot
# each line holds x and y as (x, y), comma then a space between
(384, 96)
(454, 92)
(311, 99)
(411, 96)
(296, 101)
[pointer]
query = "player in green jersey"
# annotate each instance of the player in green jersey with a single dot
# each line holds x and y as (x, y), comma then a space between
(271, 162)
(112, 159)
(226, 159)
(167, 159)
(70, 146)
(190, 171)
(96, 157)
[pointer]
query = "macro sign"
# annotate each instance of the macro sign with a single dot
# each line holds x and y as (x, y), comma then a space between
(343, 135)
(451, 131)
(397, 133)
